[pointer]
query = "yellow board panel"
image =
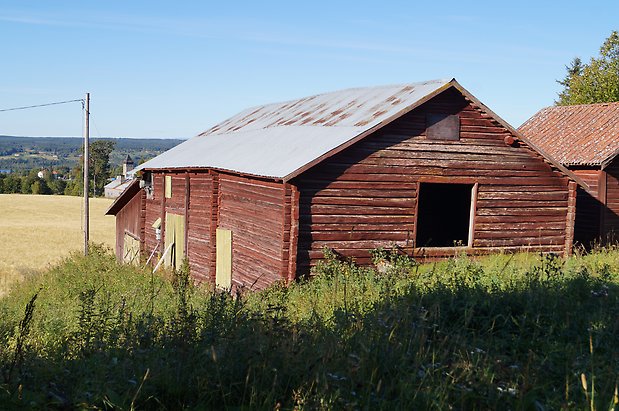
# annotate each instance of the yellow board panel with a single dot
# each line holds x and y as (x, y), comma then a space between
(223, 268)
(168, 186)
(175, 236)
(131, 250)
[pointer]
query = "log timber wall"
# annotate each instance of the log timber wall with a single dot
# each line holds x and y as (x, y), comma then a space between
(130, 219)
(366, 196)
(256, 211)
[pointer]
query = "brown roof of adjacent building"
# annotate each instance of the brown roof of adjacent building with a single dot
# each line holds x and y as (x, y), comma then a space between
(582, 135)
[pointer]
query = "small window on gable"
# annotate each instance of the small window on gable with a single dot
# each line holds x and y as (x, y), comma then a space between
(443, 127)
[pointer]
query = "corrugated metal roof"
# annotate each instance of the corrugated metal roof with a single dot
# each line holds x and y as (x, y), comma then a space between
(132, 189)
(276, 140)
(585, 135)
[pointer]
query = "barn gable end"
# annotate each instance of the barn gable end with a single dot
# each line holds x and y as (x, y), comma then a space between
(368, 195)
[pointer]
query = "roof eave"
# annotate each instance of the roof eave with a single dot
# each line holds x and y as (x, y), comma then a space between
(122, 200)
(609, 159)
(207, 169)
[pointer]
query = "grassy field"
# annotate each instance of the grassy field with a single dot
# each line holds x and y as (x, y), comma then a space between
(523, 332)
(37, 231)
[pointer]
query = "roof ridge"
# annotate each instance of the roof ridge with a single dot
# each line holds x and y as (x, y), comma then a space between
(384, 86)
(569, 106)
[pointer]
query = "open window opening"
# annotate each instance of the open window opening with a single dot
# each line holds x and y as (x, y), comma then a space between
(444, 215)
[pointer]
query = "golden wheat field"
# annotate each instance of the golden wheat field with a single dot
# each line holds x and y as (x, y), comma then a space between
(37, 231)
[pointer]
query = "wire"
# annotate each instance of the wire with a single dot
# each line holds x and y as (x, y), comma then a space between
(42, 105)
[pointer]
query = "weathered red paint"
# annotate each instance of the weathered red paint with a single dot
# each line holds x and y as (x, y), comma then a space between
(366, 196)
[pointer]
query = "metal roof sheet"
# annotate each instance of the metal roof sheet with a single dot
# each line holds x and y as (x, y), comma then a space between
(581, 135)
(275, 140)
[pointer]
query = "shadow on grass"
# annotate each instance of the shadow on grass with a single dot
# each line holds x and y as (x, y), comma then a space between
(545, 342)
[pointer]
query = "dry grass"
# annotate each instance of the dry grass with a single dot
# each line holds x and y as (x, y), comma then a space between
(36, 231)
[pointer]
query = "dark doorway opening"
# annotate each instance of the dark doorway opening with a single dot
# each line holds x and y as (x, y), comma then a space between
(443, 214)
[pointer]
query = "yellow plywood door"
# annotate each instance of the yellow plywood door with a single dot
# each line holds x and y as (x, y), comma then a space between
(223, 268)
(174, 239)
(131, 250)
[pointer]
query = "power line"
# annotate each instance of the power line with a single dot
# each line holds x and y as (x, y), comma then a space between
(42, 105)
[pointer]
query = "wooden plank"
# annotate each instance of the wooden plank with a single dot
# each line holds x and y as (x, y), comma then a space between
(162, 211)
(174, 235)
(186, 222)
(168, 186)
(570, 218)
(473, 214)
(131, 249)
(602, 197)
(223, 270)
(179, 235)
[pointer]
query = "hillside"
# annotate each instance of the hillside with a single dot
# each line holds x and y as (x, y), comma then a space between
(25, 153)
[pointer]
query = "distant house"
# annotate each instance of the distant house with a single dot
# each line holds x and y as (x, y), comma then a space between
(114, 188)
(585, 139)
(424, 166)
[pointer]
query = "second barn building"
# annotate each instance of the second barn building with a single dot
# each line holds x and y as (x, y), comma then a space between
(425, 167)
(585, 139)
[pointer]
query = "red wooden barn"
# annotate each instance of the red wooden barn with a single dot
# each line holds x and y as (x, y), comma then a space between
(585, 139)
(423, 166)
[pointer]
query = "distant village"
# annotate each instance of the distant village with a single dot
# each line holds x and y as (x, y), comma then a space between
(46, 165)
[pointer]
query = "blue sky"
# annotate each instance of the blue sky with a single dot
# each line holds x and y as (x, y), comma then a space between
(173, 69)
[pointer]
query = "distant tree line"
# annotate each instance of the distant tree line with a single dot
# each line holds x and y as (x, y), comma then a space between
(31, 183)
(25, 153)
(64, 182)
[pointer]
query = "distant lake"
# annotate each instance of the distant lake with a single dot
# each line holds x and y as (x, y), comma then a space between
(5, 171)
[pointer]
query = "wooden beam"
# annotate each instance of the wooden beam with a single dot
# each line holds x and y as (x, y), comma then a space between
(214, 223)
(472, 214)
(294, 233)
(162, 214)
(187, 192)
(570, 218)
(602, 197)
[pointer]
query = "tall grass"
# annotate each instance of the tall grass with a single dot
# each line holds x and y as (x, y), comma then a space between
(507, 332)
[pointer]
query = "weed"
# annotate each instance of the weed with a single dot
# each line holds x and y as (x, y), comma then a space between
(19, 346)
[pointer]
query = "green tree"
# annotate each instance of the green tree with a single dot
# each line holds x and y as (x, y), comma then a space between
(595, 82)
(100, 163)
(27, 182)
(11, 184)
(98, 168)
(40, 187)
(57, 186)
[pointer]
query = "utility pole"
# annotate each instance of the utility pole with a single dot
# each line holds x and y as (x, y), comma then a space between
(86, 180)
